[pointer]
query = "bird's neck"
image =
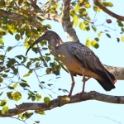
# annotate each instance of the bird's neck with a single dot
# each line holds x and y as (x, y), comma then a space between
(52, 44)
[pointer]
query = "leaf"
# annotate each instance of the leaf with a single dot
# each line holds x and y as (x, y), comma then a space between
(19, 115)
(110, 4)
(94, 28)
(24, 84)
(96, 39)
(96, 9)
(4, 110)
(122, 38)
(9, 48)
(75, 20)
(40, 112)
(87, 5)
(76, 8)
(9, 95)
(65, 99)
(1, 80)
(5, 20)
(1, 41)
(46, 100)
(100, 33)
(88, 43)
(82, 26)
(20, 2)
(38, 97)
(15, 85)
(16, 96)
(3, 102)
(17, 37)
(108, 35)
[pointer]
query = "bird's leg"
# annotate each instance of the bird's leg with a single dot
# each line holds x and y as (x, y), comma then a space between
(84, 81)
(72, 85)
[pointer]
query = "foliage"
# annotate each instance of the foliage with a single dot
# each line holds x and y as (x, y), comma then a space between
(25, 26)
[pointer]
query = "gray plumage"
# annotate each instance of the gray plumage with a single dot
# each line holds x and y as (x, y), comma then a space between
(78, 60)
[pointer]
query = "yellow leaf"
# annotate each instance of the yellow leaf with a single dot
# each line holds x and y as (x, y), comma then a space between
(82, 26)
(100, 33)
(88, 43)
(87, 5)
(122, 38)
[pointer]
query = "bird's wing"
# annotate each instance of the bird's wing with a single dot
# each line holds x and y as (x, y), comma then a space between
(84, 55)
(91, 62)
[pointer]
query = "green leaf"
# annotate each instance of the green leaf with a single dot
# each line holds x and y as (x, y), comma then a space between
(1, 80)
(48, 70)
(5, 20)
(38, 97)
(96, 9)
(3, 102)
(9, 48)
(96, 39)
(1, 41)
(108, 35)
(46, 100)
(40, 112)
(16, 96)
(9, 95)
(17, 37)
(19, 115)
(110, 4)
(94, 28)
(24, 84)
(5, 110)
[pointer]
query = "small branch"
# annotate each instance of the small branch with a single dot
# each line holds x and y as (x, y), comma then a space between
(59, 102)
(97, 3)
(43, 15)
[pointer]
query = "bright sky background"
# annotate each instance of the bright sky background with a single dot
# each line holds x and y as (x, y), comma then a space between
(110, 52)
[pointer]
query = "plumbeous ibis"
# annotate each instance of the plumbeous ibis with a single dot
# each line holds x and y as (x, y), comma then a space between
(78, 60)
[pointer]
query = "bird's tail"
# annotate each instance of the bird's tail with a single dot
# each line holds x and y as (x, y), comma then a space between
(108, 81)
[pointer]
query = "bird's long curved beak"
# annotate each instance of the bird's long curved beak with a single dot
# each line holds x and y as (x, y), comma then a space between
(35, 42)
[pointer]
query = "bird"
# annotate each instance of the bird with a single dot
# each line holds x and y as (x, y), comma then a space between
(78, 60)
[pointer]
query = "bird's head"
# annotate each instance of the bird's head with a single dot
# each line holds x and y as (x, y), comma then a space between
(50, 36)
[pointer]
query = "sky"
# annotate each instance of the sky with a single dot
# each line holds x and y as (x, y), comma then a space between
(110, 52)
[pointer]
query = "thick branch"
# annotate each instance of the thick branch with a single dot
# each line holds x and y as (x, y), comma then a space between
(18, 17)
(118, 72)
(59, 102)
(97, 3)
(66, 23)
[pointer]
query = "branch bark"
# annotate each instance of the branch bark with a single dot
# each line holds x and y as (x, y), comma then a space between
(118, 72)
(67, 100)
(66, 23)
(97, 3)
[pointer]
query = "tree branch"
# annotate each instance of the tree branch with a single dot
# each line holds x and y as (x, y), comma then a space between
(118, 72)
(97, 3)
(66, 23)
(17, 17)
(67, 100)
